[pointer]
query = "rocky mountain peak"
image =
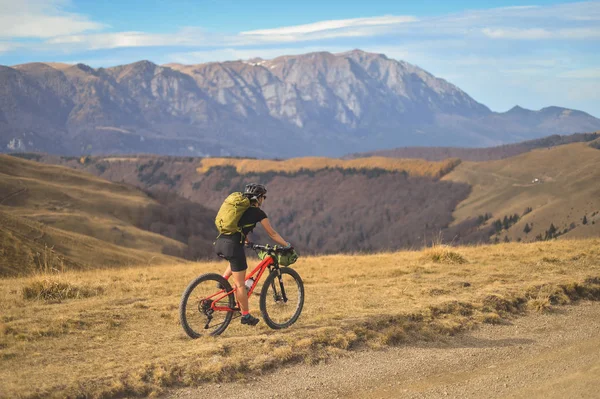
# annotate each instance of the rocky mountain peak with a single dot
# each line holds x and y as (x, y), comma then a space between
(310, 104)
(519, 111)
(84, 68)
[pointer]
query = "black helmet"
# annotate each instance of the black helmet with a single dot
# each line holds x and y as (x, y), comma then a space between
(254, 190)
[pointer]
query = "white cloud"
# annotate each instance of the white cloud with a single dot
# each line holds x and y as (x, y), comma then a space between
(41, 19)
(581, 11)
(515, 33)
(537, 33)
(468, 33)
(197, 37)
(185, 37)
(331, 25)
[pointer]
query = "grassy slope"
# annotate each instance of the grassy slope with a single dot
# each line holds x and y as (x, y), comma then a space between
(126, 339)
(414, 167)
(567, 191)
(86, 220)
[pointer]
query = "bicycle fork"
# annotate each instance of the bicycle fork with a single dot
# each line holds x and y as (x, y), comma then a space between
(277, 297)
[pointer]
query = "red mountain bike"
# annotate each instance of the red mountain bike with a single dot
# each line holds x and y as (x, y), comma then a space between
(203, 311)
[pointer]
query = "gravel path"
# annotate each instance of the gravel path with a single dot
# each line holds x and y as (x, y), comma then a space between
(554, 355)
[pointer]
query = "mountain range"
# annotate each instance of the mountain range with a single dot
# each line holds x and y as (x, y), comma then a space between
(312, 104)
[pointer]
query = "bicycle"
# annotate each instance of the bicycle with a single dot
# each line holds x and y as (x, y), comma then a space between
(281, 297)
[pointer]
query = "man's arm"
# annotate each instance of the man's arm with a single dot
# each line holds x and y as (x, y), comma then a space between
(272, 233)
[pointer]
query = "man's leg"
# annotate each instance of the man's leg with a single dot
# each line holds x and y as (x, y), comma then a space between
(242, 298)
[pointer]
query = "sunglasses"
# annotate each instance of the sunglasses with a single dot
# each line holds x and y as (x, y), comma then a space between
(264, 197)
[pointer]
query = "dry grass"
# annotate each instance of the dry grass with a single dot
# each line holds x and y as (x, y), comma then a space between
(444, 254)
(126, 341)
(542, 298)
(52, 218)
(414, 167)
(55, 288)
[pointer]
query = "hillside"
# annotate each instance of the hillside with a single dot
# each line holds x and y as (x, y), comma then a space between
(121, 336)
(329, 207)
(478, 154)
(559, 185)
(316, 104)
(326, 205)
(52, 217)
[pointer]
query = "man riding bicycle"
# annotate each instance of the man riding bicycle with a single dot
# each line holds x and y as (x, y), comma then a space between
(231, 246)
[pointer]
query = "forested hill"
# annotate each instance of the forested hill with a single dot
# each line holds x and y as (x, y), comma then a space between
(330, 205)
(335, 207)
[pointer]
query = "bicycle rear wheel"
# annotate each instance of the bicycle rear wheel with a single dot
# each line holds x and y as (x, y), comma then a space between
(282, 298)
(195, 313)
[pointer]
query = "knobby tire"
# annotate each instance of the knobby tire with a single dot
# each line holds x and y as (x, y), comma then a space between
(190, 305)
(266, 299)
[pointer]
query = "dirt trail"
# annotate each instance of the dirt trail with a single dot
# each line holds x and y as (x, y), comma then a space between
(554, 355)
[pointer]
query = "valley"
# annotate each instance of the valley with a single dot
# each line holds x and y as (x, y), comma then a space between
(326, 205)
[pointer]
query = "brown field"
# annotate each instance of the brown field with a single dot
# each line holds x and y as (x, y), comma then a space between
(414, 167)
(567, 190)
(108, 333)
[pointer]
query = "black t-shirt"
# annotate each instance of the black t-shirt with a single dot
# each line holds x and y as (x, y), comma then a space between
(252, 216)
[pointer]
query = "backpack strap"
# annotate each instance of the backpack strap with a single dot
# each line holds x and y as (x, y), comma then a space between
(240, 230)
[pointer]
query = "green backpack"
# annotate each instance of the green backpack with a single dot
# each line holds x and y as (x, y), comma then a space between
(230, 213)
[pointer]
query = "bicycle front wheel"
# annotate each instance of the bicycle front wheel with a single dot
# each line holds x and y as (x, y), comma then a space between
(196, 308)
(282, 298)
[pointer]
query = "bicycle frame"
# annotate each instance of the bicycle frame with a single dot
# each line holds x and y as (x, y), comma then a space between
(258, 271)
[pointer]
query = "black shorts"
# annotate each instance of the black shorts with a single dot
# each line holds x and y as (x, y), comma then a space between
(230, 248)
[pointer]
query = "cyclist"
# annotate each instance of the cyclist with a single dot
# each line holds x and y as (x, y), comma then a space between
(231, 247)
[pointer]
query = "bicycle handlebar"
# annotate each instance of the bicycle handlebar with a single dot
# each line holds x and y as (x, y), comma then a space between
(268, 248)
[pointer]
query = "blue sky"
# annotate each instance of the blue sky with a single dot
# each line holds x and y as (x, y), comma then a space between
(502, 53)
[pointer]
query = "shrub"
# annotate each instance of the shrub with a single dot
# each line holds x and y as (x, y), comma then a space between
(54, 289)
(540, 304)
(541, 298)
